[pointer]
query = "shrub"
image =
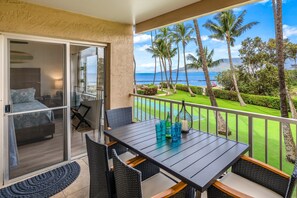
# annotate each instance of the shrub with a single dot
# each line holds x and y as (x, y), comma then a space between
(140, 91)
(264, 101)
(196, 90)
(149, 90)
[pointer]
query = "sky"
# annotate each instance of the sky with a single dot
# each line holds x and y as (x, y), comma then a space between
(260, 12)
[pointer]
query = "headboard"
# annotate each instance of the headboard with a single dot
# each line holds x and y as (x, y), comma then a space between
(21, 78)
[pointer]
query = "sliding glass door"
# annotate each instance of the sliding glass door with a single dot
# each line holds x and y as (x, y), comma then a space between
(87, 94)
(36, 110)
(46, 81)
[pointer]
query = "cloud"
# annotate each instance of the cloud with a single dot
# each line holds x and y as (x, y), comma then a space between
(217, 40)
(236, 10)
(140, 38)
(143, 48)
(289, 31)
(204, 37)
(263, 1)
(147, 65)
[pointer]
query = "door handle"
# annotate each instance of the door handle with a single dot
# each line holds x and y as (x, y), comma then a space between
(7, 109)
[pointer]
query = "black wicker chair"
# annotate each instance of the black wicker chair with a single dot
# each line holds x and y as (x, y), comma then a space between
(119, 117)
(116, 118)
(101, 175)
(128, 183)
(252, 178)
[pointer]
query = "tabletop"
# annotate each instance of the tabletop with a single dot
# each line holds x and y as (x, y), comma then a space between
(198, 158)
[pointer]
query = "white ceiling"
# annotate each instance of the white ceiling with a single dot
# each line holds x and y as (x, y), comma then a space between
(123, 11)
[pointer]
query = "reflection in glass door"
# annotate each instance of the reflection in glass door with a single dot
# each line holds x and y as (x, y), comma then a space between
(87, 94)
(36, 127)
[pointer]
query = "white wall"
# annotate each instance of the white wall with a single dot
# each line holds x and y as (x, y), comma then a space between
(46, 56)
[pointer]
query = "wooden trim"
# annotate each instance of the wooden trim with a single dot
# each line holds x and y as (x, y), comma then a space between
(268, 167)
(137, 160)
(171, 191)
(111, 143)
(133, 159)
(195, 10)
(230, 191)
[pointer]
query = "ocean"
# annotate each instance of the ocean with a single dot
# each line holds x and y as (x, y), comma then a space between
(195, 78)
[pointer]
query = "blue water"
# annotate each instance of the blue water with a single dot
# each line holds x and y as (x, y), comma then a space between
(195, 78)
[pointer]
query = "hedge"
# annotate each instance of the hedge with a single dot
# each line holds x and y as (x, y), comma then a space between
(264, 101)
(150, 90)
(196, 90)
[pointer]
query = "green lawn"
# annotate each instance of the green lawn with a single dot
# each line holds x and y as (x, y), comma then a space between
(202, 124)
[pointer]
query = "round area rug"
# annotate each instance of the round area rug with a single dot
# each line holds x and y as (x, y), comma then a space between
(44, 185)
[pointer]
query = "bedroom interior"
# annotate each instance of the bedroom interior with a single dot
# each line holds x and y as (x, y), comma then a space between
(38, 86)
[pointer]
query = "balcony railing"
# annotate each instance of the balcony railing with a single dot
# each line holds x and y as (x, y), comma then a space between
(262, 132)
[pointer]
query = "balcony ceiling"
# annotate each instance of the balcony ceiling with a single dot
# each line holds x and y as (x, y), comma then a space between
(144, 14)
(123, 11)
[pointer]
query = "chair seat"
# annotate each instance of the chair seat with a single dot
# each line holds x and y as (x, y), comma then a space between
(124, 157)
(156, 184)
(247, 187)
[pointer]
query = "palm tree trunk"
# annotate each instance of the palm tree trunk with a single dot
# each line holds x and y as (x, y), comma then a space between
(186, 71)
(242, 103)
(292, 106)
(155, 72)
(177, 70)
(166, 78)
(134, 75)
(161, 74)
(222, 129)
(288, 138)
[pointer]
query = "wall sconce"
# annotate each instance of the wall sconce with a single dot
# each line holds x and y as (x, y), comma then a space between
(59, 84)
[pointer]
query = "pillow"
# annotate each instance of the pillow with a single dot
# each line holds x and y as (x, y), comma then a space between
(22, 95)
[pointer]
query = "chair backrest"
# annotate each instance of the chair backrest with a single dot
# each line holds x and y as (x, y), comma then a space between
(292, 182)
(261, 175)
(118, 117)
(101, 178)
(127, 179)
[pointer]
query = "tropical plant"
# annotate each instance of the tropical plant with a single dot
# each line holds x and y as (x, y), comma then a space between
(288, 137)
(228, 27)
(183, 33)
(198, 63)
(155, 70)
(292, 52)
(205, 60)
(177, 40)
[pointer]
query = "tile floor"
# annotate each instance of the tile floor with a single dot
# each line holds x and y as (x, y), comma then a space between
(80, 187)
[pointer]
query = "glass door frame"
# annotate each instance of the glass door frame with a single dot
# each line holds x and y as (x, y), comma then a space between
(4, 100)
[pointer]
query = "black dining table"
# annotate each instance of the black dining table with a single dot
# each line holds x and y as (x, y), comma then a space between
(198, 158)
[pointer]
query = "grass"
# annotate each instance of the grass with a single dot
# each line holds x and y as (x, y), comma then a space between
(207, 122)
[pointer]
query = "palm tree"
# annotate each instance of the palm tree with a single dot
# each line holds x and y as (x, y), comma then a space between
(204, 61)
(165, 35)
(159, 50)
(177, 40)
(183, 33)
(288, 138)
(155, 71)
(198, 63)
(228, 27)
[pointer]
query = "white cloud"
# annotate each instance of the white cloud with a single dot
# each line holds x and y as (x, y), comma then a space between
(217, 40)
(236, 10)
(143, 48)
(289, 31)
(263, 1)
(192, 53)
(204, 37)
(147, 65)
(140, 38)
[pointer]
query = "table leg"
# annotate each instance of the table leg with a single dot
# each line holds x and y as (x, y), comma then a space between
(198, 194)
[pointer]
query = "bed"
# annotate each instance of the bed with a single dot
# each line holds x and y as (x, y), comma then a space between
(25, 91)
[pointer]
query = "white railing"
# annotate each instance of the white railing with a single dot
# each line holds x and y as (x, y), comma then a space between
(262, 132)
